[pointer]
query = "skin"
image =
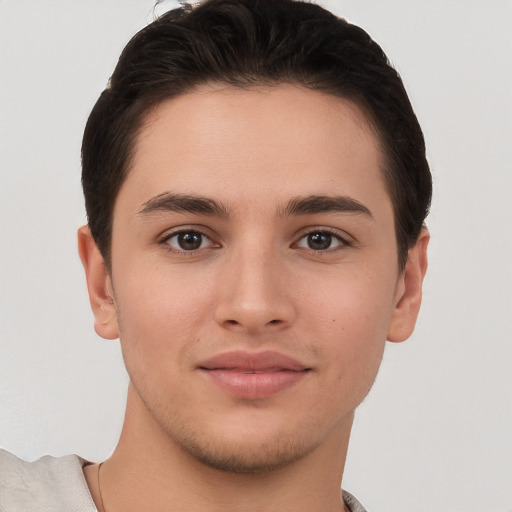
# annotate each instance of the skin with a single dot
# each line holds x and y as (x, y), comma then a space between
(259, 281)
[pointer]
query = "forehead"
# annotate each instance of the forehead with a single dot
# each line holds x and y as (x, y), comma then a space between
(253, 144)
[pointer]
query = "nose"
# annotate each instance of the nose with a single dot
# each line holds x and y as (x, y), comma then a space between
(254, 294)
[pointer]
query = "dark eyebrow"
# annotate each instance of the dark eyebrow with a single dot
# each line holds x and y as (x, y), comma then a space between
(324, 204)
(168, 202)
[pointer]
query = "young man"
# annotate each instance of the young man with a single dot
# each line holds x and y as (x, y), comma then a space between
(256, 187)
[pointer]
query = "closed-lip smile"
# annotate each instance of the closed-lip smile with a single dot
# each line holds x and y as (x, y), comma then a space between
(253, 375)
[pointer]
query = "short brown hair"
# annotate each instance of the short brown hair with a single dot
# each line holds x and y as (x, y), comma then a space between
(245, 43)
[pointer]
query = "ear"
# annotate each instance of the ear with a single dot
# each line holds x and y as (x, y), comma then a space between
(99, 285)
(408, 292)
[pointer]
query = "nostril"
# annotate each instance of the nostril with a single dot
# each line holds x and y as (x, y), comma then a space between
(274, 321)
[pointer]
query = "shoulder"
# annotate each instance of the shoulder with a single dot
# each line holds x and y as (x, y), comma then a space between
(352, 503)
(47, 484)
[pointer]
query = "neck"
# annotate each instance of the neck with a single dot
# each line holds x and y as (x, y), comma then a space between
(148, 471)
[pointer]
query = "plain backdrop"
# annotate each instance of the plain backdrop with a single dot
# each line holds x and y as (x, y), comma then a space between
(435, 432)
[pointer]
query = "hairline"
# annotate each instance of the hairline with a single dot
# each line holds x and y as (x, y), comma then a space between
(148, 103)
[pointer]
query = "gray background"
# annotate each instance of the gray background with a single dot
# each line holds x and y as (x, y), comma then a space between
(435, 431)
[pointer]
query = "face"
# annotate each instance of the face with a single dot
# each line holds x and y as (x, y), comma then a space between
(254, 272)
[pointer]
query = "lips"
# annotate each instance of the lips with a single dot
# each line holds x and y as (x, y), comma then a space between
(253, 375)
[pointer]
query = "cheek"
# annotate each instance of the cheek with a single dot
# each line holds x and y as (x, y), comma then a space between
(160, 316)
(349, 323)
(355, 305)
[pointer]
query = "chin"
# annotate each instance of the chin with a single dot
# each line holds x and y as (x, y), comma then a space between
(247, 457)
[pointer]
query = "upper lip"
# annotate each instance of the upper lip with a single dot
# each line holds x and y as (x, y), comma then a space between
(253, 362)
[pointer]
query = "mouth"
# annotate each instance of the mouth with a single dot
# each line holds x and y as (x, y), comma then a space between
(253, 375)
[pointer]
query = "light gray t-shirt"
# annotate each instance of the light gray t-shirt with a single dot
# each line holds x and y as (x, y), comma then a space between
(53, 484)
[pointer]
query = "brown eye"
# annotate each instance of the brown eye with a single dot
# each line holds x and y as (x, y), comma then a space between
(320, 241)
(188, 241)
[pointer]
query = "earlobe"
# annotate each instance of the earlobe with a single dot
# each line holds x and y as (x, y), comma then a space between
(99, 285)
(409, 291)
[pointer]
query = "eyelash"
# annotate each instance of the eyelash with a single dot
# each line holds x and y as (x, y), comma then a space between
(343, 242)
(164, 241)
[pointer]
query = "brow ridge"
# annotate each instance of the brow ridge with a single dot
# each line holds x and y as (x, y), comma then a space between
(201, 205)
(314, 204)
(184, 203)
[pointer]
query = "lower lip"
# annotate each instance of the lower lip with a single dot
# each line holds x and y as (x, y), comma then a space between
(254, 386)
